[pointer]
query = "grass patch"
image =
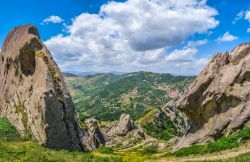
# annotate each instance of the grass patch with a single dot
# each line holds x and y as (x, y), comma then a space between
(31, 151)
(151, 149)
(224, 143)
(13, 148)
(240, 158)
(106, 150)
(8, 131)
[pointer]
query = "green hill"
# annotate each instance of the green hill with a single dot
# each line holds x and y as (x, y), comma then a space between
(106, 96)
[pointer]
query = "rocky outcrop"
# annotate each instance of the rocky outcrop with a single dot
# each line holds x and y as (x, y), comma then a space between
(125, 125)
(218, 102)
(125, 132)
(95, 132)
(33, 94)
(179, 119)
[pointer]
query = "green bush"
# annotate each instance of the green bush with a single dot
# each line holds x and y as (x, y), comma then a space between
(224, 143)
(7, 130)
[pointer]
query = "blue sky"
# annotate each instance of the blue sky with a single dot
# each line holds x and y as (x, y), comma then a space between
(133, 35)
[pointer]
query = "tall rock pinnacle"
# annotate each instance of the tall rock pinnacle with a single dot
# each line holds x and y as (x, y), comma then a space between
(33, 94)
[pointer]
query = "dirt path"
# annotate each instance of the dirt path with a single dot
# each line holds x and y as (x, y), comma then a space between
(214, 156)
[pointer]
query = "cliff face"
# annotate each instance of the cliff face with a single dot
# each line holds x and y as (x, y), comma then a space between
(33, 94)
(218, 102)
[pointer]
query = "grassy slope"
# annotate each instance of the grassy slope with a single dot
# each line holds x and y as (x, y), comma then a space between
(14, 148)
(224, 143)
(161, 128)
(106, 96)
(241, 158)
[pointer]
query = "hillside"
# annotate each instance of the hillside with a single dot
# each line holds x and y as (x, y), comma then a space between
(107, 96)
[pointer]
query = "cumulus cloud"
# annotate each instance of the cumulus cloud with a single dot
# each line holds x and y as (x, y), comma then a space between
(134, 35)
(227, 37)
(52, 19)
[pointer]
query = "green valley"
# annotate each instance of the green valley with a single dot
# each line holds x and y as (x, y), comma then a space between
(107, 96)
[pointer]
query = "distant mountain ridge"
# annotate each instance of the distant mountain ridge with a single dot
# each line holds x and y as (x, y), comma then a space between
(91, 73)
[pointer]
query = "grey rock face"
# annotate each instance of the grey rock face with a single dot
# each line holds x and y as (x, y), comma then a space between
(95, 133)
(125, 131)
(125, 124)
(218, 102)
(33, 94)
(179, 119)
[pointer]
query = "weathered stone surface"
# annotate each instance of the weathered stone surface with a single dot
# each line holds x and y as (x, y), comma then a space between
(33, 94)
(217, 103)
(179, 119)
(125, 125)
(95, 132)
(124, 132)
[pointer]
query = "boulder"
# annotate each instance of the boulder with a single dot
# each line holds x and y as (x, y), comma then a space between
(33, 94)
(218, 102)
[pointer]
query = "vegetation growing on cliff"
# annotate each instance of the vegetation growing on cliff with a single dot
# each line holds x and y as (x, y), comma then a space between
(224, 143)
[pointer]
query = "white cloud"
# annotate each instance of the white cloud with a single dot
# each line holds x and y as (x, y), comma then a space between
(196, 43)
(247, 16)
(133, 35)
(239, 16)
(248, 30)
(186, 55)
(52, 19)
(227, 37)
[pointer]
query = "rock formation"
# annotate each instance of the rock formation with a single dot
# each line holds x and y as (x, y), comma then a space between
(124, 132)
(95, 132)
(125, 125)
(33, 94)
(179, 119)
(218, 102)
